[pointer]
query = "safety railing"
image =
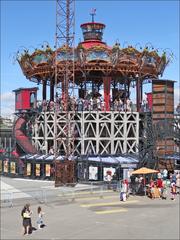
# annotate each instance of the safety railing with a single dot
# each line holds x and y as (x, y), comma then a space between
(64, 193)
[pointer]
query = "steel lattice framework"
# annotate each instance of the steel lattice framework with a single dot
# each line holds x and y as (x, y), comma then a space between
(64, 38)
(94, 132)
(65, 22)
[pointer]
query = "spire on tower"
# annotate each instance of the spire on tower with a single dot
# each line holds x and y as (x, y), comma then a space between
(93, 13)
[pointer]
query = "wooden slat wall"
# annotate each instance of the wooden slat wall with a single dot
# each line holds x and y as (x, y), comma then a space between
(163, 99)
(163, 108)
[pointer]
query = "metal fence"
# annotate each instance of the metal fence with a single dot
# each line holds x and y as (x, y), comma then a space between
(65, 193)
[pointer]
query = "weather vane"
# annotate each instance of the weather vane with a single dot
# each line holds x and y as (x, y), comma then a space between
(93, 13)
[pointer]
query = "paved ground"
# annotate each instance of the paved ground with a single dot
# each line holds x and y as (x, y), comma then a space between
(92, 217)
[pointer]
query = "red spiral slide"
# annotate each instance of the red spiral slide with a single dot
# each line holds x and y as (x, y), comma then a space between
(21, 139)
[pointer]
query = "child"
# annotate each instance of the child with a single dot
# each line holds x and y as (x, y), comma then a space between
(40, 218)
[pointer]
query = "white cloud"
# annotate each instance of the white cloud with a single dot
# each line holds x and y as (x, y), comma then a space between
(7, 112)
(7, 104)
(8, 97)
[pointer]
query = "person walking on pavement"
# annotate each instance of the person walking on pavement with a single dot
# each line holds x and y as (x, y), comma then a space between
(40, 218)
(123, 192)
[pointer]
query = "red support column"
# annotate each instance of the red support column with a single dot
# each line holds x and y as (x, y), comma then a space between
(107, 85)
(138, 95)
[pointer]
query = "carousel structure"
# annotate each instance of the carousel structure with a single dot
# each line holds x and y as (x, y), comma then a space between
(86, 107)
(92, 67)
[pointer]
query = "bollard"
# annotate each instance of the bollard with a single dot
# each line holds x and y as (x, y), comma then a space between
(44, 199)
(117, 188)
(11, 199)
(63, 193)
(101, 192)
(73, 195)
(8, 199)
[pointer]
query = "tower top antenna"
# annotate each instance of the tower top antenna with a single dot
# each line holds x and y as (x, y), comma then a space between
(93, 13)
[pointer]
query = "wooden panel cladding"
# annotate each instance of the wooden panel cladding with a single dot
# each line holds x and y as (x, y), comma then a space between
(169, 142)
(161, 101)
(162, 88)
(168, 151)
(168, 164)
(163, 116)
(163, 95)
(165, 108)
(163, 83)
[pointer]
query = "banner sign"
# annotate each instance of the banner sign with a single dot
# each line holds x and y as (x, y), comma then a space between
(13, 167)
(108, 171)
(28, 169)
(93, 173)
(48, 170)
(6, 166)
(38, 169)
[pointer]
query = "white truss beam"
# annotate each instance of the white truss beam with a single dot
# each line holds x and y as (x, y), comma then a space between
(92, 132)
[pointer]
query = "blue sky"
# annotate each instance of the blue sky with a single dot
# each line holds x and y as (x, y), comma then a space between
(30, 23)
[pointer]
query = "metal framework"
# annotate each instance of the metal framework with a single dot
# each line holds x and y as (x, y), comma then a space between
(94, 132)
(147, 142)
(64, 38)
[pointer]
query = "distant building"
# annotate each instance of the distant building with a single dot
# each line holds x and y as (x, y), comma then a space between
(6, 122)
(6, 137)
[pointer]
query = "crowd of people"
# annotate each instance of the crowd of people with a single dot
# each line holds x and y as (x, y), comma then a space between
(159, 187)
(86, 104)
